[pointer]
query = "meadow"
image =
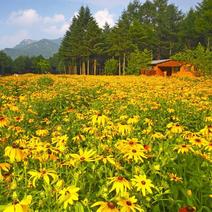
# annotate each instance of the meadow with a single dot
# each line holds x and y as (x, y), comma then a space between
(105, 143)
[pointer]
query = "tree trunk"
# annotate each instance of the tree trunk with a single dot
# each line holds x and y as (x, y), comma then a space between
(75, 68)
(124, 63)
(94, 66)
(83, 67)
(119, 65)
(80, 67)
(208, 44)
(88, 67)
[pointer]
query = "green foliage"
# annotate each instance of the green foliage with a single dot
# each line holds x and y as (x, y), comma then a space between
(111, 67)
(138, 60)
(43, 66)
(200, 57)
(5, 63)
(44, 82)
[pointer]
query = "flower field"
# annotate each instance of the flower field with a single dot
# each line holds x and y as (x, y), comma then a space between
(105, 144)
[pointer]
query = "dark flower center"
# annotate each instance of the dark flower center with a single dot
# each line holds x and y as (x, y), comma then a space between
(184, 145)
(120, 178)
(128, 203)
(14, 145)
(197, 140)
(110, 205)
(134, 151)
(143, 182)
(82, 158)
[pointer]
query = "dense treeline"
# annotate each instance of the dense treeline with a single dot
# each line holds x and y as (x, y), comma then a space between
(154, 26)
(24, 64)
(151, 30)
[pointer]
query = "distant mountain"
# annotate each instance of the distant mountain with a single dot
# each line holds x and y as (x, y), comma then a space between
(30, 48)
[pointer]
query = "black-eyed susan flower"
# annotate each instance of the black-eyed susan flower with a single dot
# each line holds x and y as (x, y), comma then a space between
(5, 167)
(42, 133)
(183, 148)
(135, 154)
(175, 128)
(105, 207)
(78, 138)
(142, 184)
(107, 159)
(100, 120)
(124, 129)
(197, 141)
(208, 146)
(133, 120)
(3, 121)
(129, 204)
(84, 155)
(15, 153)
(45, 174)
(175, 178)
(68, 196)
(19, 206)
(120, 185)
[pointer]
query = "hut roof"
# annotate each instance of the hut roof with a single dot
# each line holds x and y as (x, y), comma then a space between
(155, 62)
(166, 63)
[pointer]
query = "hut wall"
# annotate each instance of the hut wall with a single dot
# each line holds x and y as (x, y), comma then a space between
(158, 71)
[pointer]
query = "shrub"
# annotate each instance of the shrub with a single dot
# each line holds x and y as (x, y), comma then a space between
(200, 57)
(138, 60)
(111, 67)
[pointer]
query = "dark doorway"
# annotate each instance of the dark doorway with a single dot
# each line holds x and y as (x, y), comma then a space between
(168, 70)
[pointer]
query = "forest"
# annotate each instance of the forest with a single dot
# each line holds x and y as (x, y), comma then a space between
(151, 30)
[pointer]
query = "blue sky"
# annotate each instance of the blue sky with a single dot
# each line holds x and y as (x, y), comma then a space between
(37, 19)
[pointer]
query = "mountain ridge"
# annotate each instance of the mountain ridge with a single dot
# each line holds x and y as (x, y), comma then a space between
(28, 47)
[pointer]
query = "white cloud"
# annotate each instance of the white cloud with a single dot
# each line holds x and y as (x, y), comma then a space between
(103, 16)
(11, 40)
(53, 26)
(24, 17)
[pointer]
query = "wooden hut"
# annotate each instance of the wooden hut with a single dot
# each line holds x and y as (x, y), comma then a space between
(169, 67)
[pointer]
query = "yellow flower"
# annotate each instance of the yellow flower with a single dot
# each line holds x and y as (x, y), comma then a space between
(100, 120)
(78, 137)
(143, 184)
(15, 153)
(124, 145)
(149, 122)
(133, 120)
(120, 185)
(135, 154)
(45, 174)
(84, 155)
(197, 141)
(22, 206)
(5, 167)
(105, 207)
(206, 132)
(107, 159)
(175, 128)
(42, 133)
(174, 177)
(209, 146)
(124, 129)
(183, 148)
(189, 192)
(68, 195)
(128, 204)
(3, 121)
